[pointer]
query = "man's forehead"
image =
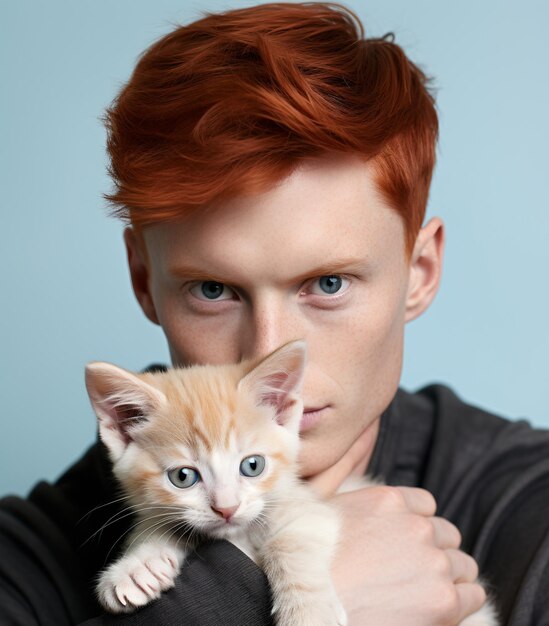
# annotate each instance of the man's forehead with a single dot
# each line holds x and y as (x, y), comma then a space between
(234, 263)
(321, 216)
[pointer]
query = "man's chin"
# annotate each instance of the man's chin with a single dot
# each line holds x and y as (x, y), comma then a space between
(321, 451)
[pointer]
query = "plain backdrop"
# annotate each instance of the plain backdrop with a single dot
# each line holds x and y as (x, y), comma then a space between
(66, 297)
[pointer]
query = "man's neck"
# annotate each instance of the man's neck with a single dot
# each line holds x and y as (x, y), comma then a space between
(370, 435)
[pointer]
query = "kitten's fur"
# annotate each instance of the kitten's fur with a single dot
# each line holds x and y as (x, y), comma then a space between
(211, 419)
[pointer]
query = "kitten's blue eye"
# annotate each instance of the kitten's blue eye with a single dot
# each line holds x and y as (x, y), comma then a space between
(183, 477)
(252, 465)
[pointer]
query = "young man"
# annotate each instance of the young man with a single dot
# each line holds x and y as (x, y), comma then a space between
(275, 169)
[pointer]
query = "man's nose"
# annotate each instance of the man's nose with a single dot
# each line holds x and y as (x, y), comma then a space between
(270, 324)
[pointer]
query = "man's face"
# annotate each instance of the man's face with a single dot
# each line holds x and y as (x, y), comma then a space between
(320, 257)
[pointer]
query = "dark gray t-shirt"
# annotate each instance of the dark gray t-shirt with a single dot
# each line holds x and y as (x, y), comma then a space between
(490, 477)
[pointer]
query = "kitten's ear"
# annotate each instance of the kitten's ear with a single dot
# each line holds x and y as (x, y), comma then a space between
(277, 380)
(121, 401)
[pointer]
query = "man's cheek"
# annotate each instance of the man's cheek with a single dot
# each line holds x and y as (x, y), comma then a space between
(200, 344)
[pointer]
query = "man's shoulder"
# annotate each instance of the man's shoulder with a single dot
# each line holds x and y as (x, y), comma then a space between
(61, 515)
(41, 569)
(433, 438)
(454, 416)
(462, 435)
(465, 449)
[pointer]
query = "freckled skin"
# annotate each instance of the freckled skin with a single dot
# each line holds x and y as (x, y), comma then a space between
(267, 250)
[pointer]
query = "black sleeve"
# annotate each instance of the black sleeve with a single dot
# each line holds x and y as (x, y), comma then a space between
(218, 585)
(513, 548)
(38, 581)
(41, 581)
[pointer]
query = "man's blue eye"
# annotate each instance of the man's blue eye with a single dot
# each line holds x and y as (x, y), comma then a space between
(330, 284)
(211, 289)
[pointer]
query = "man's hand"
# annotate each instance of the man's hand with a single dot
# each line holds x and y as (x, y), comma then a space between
(397, 564)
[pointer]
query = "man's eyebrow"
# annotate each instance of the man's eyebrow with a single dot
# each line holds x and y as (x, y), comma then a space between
(335, 266)
(193, 273)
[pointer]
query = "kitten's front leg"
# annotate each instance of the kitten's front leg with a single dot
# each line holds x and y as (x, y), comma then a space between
(296, 558)
(148, 567)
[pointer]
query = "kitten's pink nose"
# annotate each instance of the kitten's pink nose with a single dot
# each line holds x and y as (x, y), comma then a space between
(226, 512)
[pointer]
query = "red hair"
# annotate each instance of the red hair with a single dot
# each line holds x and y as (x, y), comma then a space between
(233, 102)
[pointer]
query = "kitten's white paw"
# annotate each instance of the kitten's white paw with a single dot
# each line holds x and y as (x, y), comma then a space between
(139, 577)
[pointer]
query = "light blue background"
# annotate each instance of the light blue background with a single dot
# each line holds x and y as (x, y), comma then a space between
(66, 298)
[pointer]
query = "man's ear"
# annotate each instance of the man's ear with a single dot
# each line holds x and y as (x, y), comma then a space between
(139, 272)
(425, 268)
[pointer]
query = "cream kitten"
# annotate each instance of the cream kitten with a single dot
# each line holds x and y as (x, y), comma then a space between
(211, 451)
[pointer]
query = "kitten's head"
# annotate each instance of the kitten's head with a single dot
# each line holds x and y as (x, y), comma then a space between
(212, 445)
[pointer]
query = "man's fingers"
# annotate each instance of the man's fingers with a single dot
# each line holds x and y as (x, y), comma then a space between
(327, 482)
(419, 501)
(446, 534)
(471, 598)
(464, 568)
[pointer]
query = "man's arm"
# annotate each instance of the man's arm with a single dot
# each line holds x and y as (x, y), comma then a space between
(40, 584)
(217, 585)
